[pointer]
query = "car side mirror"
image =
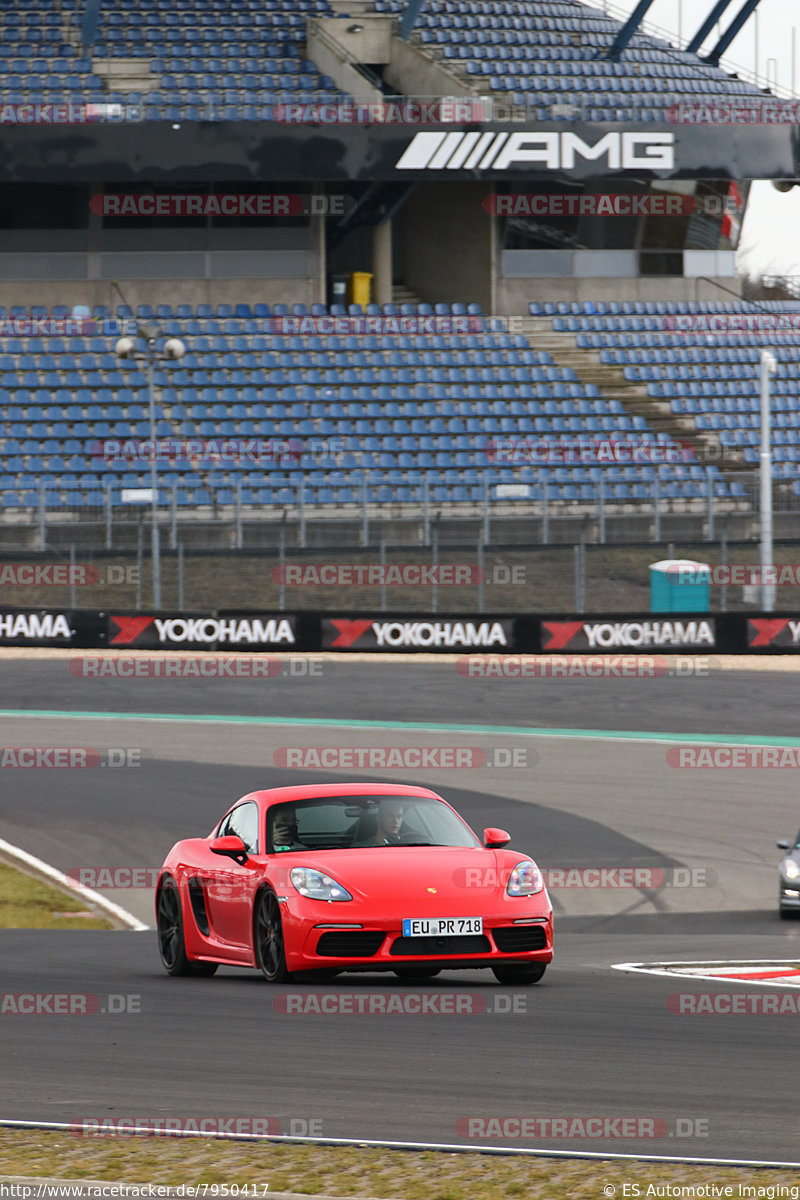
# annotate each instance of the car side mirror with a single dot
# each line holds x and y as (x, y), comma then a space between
(495, 839)
(783, 845)
(230, 846)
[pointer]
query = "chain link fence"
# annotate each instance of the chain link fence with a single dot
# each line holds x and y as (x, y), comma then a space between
(468, 577)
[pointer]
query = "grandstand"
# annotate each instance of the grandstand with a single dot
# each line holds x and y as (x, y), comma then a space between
(569, 337)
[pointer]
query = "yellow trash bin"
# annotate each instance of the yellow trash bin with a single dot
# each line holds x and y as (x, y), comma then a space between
(359, 288)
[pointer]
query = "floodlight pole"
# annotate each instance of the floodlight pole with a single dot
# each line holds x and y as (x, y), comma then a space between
(174, 348)
(769, 365)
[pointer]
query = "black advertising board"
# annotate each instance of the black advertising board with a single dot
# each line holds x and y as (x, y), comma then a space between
(676, 633)
(47, 627)
(337, 153)
(201, 631)
(419, 633)
(774, 634)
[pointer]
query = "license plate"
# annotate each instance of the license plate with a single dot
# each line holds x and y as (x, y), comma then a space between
(441, 926)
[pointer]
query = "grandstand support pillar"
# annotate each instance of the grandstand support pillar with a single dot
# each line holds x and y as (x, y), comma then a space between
(486, 511)
(623, 38)
(109, 510)
(710, 493)
(769, 364)
(301, 509)
(155, 546)
(708, 24)
(365, 509)
(601, 511)
(426, 511)
(382, 263)
(657, 506)
(42, 518)
(319, 246)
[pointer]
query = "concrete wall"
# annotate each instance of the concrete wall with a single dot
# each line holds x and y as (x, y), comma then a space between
(161, 291)
(414, 74)
(447, 243)
(514, 295)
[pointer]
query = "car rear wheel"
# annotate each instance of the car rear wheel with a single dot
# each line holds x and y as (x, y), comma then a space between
(514, 973)
(787, 914)
(412, 973)
(171, 943)
(268, 939)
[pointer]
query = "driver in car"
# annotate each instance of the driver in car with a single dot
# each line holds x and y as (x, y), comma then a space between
(284, 829)
(390, 819)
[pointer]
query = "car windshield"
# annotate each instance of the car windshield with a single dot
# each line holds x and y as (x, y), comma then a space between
(348, 822)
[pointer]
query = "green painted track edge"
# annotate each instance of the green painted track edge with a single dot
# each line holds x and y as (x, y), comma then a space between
(618, 735)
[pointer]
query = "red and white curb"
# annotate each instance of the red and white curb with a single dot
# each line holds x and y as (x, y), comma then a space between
(763, 972)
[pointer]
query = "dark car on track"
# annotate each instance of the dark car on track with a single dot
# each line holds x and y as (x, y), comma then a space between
(789, 877)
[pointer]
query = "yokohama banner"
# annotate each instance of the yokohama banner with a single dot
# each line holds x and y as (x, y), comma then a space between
(407, 633)
(645, 634)
(201, 631)
(418, 633)
(774, 633)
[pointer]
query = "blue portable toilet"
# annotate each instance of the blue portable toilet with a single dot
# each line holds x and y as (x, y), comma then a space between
(680, 585)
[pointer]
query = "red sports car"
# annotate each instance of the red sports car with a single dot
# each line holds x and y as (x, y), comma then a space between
(351, 877)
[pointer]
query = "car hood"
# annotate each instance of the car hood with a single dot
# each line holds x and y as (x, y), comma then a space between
(408, 870)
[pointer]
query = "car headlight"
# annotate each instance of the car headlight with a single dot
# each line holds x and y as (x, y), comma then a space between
(525, 880)
(317, 886)
(791, 869)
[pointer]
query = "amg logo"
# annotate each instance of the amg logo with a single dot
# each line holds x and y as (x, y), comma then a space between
(551, 151)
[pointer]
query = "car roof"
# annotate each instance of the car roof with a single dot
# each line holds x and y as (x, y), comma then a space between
(311, 791)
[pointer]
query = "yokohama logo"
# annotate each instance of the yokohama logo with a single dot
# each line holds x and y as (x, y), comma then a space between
(632, 635)
(341, 633)
(550, 151)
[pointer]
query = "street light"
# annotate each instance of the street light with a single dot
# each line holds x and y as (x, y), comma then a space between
(173, 348)
(769, 365)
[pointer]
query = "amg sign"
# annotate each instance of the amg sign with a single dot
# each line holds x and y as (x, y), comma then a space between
(550, 151)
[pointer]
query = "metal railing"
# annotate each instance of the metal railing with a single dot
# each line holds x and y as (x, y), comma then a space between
(379, 499)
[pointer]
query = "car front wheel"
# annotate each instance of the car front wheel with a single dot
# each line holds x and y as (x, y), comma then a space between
(514, 973)
(171, 943)
(270, 950)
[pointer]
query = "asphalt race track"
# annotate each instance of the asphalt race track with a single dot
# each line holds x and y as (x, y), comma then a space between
(588, 1042)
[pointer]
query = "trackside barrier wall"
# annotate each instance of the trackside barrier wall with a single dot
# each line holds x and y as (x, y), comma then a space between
(252, 630)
